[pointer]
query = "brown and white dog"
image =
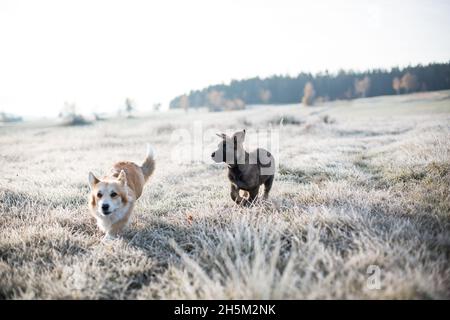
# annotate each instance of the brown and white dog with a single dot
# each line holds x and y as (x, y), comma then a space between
(113, 197)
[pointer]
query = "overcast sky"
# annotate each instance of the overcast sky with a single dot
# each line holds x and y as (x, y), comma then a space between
(96, 53)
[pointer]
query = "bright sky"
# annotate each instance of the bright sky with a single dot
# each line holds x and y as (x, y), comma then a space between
(96, 53)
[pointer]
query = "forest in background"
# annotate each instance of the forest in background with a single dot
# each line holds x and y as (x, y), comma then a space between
(324, 86)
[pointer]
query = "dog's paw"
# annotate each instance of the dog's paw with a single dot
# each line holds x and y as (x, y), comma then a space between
(244, 194)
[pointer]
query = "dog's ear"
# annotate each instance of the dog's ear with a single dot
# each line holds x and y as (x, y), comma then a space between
(239, 136)
(122, 177)
(93, 180)
(222, 135)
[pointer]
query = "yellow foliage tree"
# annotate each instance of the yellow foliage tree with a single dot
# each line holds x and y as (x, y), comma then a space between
(308, 94)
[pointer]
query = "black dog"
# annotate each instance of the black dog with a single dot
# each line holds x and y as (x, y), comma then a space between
(246, 171)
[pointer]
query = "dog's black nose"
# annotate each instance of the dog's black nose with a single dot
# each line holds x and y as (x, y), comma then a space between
(105, 207)
(213, 155)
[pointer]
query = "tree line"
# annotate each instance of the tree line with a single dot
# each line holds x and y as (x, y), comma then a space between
(324, 86)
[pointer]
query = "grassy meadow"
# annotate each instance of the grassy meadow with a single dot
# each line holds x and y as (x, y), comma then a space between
(360, 183)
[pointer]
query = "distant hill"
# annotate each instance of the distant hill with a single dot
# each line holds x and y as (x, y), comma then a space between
(322, 87)
(6, 117)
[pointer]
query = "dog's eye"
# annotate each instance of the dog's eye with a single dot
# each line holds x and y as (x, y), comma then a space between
(113, 194)
(99, 195)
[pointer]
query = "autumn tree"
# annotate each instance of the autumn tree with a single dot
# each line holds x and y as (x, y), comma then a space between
(308, 94)
(362, 86)
(265, 95)
(397, 85)
(409, 82)
(234, 104)
(215, 100)
(184, 102)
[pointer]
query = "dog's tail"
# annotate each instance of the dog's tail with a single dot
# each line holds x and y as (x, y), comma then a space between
(149, 163)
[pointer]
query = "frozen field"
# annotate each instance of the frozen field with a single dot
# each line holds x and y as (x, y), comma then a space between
(360, 207)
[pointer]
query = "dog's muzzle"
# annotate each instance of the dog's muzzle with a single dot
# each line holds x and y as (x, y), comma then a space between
(105, 209)
(213, 155)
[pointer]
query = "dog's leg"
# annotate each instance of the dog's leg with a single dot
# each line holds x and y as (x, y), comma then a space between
(234, 193)
(267, 187)
(253, 195)
(244, 194)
